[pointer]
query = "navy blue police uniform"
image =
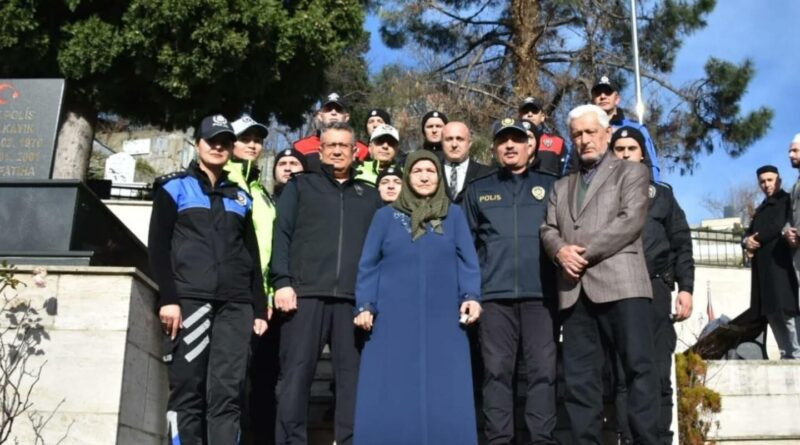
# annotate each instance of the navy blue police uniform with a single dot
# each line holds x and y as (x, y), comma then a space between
(505, 211)
(204, 257)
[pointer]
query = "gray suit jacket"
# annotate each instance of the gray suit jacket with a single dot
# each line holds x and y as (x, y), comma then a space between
(795, 222)
(609, 225)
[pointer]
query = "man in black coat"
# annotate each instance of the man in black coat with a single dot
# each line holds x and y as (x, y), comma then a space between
(459, 168)
(322, 220)
(773, 291)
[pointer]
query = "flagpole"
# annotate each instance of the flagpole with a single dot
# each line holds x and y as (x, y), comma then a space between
(635, 37)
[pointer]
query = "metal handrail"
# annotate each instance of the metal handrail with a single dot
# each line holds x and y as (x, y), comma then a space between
(720, 248)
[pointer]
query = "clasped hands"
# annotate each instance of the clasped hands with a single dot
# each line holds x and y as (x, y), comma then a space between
(573, 264)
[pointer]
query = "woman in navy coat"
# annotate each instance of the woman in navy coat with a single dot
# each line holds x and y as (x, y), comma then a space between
(418, 285)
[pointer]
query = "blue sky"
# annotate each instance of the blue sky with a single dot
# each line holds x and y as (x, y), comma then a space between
(765, 32)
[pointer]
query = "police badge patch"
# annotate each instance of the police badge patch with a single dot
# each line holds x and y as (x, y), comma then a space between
(241, 198)
(219, 120)
(651, 192)
(538, 192)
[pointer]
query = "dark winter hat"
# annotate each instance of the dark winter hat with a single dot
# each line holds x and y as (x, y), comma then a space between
(431, 114)
(383, 114)
(291, 152)
(530, 103)
(530, 126)
(508, 124)
(635, 134)
(334, 99)
(629, 132)
(604, 84)
(214, 125)
(767, 169)
(392, 170)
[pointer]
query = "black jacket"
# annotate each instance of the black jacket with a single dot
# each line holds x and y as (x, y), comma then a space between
(773, 283)
(202, 242)
(667, 239)
(319, 233)
(475, 170)
(504, 212)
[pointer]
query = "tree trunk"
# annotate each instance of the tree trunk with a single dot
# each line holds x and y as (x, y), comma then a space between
(74, 143)
(525, 30)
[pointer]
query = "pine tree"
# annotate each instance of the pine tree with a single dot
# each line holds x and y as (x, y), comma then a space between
(169, 62)
(557, 49)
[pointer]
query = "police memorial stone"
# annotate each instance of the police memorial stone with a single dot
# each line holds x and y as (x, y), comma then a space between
(52, 221)
(29, 114)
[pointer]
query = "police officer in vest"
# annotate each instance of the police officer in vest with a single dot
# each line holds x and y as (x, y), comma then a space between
(551, 149)
(333, 108)
(668, 252)
(504, 211)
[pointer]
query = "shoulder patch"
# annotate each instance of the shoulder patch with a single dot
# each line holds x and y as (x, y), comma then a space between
(161, 180)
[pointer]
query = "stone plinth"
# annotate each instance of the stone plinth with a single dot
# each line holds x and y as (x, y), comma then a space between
(103, 359)
(760, 401)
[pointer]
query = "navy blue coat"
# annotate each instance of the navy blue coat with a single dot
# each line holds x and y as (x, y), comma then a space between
(504, 212)
(415, 380)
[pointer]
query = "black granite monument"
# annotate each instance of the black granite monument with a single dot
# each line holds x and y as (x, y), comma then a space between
(46, 221)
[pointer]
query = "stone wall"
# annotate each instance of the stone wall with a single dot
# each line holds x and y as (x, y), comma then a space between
(760, 401)
(103, 358)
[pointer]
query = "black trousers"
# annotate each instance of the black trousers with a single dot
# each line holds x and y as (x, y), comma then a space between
(588, 330)
(507, 326)
(259, 428)
(664, 342)
(304, 333)
(207, 367)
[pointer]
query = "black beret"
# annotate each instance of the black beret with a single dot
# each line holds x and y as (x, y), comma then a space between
(383, 114)
(431, 114)
(391, 170)
(629, 132)
(533, 128)
(291, 152)
(767, 169)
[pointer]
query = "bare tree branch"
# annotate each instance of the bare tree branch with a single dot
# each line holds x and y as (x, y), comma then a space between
(478, 90)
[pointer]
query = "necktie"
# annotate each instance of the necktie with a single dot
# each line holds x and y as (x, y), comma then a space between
(453, 180)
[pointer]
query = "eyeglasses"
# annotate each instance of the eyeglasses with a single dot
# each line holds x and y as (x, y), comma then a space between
(339, 145)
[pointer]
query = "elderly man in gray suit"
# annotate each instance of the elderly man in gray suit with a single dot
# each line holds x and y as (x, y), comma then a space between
(593, 231)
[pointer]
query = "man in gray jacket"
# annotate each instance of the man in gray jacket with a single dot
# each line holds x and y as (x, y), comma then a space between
(593, 232)
(790, 231)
